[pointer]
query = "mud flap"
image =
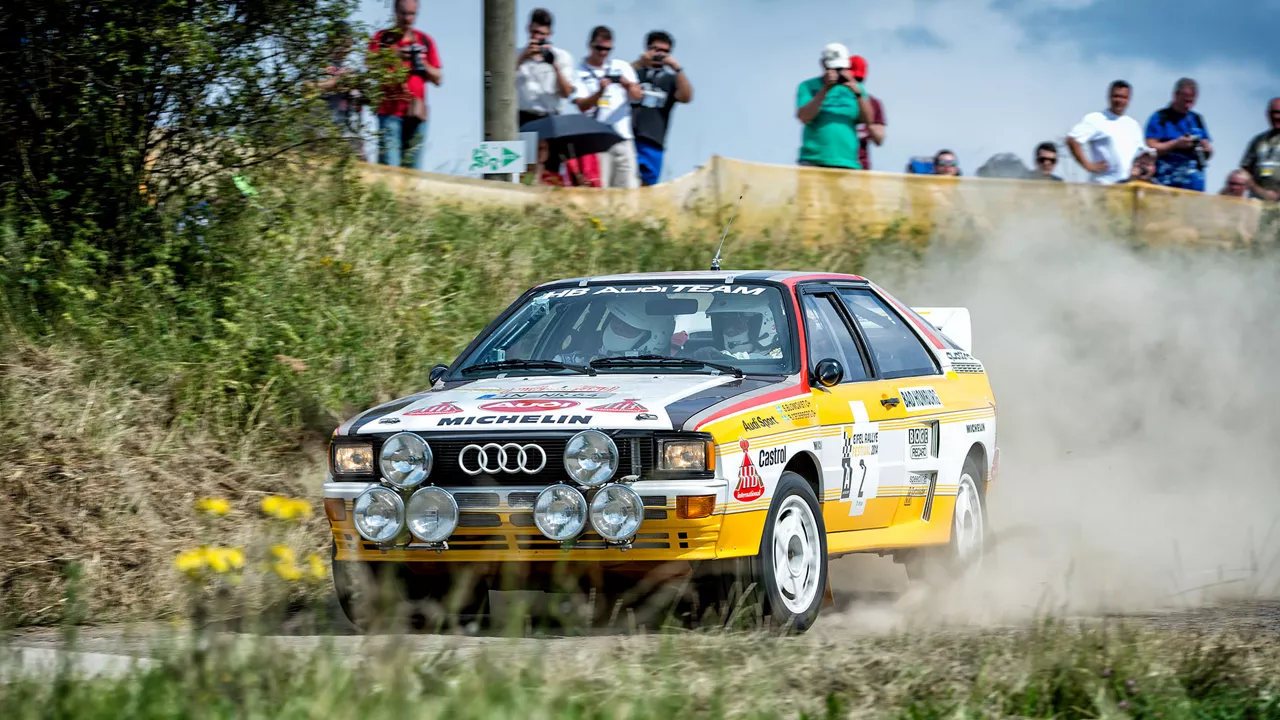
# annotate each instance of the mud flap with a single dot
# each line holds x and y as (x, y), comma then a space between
(828, 598)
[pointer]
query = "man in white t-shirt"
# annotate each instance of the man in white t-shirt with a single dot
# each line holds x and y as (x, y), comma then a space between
(543, 72)
(605, 89)
(1105, 143)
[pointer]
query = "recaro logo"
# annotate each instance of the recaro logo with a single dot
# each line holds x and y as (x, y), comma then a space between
(528, 405)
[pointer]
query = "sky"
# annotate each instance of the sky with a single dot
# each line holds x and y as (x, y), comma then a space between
(974, 76)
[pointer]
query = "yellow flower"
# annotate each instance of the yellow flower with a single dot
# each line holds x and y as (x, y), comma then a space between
(224, 560)
(286, 508)
(327, 261)
(191, 562)
(287, 570)
(213, 506)
(283, 553)
(316, 567)
(346, 268)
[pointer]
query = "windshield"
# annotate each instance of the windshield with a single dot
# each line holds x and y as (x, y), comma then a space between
(639, 328)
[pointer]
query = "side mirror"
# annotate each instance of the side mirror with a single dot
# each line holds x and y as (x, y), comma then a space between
(828, 372)
(436, 373)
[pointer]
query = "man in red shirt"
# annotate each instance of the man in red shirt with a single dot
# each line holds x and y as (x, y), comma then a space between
(872, 132)
(402, 116)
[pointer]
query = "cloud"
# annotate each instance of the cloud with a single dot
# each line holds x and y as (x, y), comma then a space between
(916, 36)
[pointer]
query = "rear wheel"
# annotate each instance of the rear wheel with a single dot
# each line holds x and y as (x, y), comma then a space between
(967, 548)
(784, 583)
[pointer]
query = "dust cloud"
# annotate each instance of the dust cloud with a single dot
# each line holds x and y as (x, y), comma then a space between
(1138, 426)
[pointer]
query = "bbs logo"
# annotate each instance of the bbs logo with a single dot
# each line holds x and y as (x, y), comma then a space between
(918, 436)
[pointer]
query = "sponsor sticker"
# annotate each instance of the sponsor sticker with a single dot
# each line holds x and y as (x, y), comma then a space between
(750, 486)
(918, 478)
(528, 405)
(918, 441)
(759, 423)
(859, 465)
(631, 405)
(975, 427)
(514, 420)
(793, 410)
(645, 289)
(444, 408)
(920, 398)
(547, 395)
(963, 362)
(772, 456)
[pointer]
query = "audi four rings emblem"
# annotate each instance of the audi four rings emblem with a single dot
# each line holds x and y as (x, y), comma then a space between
(509, 458)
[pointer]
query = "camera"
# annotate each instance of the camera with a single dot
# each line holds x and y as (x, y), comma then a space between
(613, 76)
(415, 57)
(547, 55)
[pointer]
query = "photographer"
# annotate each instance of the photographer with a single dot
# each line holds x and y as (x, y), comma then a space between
(831, 105)
(604, 89)
(663, 83)
(402, 116)
(1181, 140)
(542, 71)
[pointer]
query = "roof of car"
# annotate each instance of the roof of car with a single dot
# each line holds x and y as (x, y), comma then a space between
(789, 277)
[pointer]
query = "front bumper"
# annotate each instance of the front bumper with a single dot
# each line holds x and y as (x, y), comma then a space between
(496, 525)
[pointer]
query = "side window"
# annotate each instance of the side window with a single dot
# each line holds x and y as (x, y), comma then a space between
(829, 337)
(897, 350)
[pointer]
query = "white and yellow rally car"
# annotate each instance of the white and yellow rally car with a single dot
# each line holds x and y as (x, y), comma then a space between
(741, 428)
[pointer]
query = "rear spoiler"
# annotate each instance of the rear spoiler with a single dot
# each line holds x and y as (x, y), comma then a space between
(952, 322)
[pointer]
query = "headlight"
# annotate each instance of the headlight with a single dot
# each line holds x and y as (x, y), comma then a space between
(560, 512)
(405, 460)
(432, 514)
(353, 459)
(591, 458)
(616, 512)
(379, 515)
(686, 455)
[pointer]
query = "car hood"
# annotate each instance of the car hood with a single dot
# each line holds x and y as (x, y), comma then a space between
(612, 401)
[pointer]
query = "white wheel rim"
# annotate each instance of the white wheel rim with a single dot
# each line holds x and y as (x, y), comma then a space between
(796, 554)
(968, 523)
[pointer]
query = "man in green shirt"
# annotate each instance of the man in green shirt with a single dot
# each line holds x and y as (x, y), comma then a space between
(829, 106)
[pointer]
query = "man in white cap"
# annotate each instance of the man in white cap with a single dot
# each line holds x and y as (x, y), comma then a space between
(831, 105)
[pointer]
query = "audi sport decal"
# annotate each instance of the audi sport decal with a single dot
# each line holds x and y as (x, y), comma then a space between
(444, 408)
(631, 405)
(528, 405)
(640, 290)
(750, 486)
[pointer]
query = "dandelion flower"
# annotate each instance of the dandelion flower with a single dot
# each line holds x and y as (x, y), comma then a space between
(287, 571)
(283, 553)
(213, 506)
(190, 562)
(316, 567)
(224, 560)
(272, 504)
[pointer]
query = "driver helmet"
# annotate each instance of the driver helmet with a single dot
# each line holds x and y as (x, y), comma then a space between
(630, 329)
(738, 317)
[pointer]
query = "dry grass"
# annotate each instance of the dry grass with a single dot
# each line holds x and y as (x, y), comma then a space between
(96, 475)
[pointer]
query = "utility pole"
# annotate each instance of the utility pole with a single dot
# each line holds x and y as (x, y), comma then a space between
(500, 74)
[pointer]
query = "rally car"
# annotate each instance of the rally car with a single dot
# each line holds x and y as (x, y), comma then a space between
(736, 428)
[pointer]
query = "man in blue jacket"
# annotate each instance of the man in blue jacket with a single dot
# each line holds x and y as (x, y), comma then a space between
(1181, 140)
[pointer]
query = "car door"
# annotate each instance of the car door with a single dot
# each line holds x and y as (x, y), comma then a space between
(909, 371)
(858, 450)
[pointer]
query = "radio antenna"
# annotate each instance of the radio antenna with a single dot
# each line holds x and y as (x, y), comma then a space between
(715, 261)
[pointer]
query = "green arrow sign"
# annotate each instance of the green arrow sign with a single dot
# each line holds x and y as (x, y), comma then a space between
(509, 157)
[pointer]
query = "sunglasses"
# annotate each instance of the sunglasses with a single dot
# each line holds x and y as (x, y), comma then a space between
(602, 48)
(946, 163)
(1044, 159)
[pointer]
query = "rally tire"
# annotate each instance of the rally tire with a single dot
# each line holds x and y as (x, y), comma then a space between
(783, 585)
(967, 548)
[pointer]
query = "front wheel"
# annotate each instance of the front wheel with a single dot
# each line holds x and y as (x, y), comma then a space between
(786, 580)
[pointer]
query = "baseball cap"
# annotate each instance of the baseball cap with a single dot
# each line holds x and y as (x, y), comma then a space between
(859, 66)
(835, 57)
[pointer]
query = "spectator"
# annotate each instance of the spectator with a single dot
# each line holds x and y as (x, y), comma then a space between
(663, 83)
(1142, 167)
(1181, 140)
(1237, 184)
(338, 91)
(1105, 143)
(1262, 158)
(872, 132)
(830, 106)
(542, 71)
(944, 163)
(402, 116)
(1046, 161)
(605, 89)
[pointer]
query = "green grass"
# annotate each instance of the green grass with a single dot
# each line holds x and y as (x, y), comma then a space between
(1049, 670)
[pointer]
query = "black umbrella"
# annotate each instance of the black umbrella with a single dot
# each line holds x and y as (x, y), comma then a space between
(573, 136)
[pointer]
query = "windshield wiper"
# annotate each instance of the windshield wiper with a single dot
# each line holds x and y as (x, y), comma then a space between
(664, 360)
(527, 365)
